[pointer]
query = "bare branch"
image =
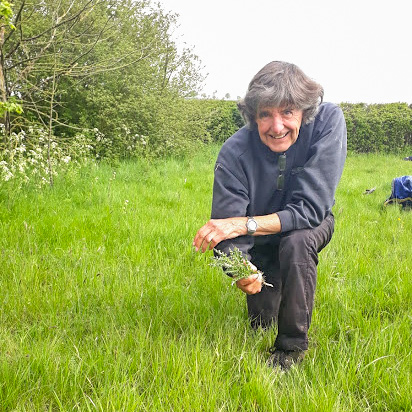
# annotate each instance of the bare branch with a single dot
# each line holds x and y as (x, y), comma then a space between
(93, 45)
(61, 23)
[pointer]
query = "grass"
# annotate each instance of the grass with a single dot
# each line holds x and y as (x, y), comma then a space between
(106, 307)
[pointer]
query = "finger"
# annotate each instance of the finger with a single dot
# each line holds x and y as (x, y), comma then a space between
(255, 287)
(211, 230)
(251, 289)
(217, 238)
(197, 241)
(212, 233)
(200, 236)
(257, 290)
(208, 242)
(249, 280)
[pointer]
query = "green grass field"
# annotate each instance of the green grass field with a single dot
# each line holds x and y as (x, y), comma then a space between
(105, 306)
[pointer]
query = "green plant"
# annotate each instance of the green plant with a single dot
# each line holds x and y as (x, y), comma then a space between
(236, 266)
(11, 106)
(6, 13)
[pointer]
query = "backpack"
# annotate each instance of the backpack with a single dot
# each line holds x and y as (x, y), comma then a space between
(401, 192)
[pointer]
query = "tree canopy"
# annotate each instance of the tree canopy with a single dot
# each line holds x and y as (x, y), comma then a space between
(110, 65)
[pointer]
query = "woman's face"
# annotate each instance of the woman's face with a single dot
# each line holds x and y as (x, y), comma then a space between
(278, 126)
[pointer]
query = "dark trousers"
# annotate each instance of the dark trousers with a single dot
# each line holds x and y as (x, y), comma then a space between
(290, 265)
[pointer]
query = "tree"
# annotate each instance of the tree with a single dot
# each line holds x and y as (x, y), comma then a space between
(93, 63)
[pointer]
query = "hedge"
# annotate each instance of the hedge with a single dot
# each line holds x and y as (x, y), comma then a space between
(371, 127)
(378, 127)
(222, 118)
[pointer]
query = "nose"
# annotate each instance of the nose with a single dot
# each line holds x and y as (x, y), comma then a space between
(277, 123)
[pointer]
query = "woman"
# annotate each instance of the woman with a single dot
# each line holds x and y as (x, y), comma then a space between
(274, 186)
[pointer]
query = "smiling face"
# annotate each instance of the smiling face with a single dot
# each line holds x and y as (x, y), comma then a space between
(278, 127)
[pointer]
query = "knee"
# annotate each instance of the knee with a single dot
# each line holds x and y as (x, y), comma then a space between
(296, 245)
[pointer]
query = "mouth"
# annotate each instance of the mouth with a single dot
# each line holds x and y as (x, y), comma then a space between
(278, 137)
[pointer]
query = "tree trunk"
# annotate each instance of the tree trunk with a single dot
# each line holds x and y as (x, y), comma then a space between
(3, 93)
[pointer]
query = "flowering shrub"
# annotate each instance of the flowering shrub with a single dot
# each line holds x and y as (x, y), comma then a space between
(122, 144)
(31, 157)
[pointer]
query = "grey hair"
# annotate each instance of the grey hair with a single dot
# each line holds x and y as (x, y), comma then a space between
(281, 84)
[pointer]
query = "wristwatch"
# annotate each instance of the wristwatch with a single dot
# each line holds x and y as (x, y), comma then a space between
(251, 225)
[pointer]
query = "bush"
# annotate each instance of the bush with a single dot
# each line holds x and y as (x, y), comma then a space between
(180, 128)
(378, 127)
(222, 118)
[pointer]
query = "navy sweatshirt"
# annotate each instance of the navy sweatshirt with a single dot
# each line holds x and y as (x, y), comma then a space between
(246, 172)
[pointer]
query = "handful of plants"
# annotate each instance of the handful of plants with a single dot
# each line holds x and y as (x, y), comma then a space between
(236, 265)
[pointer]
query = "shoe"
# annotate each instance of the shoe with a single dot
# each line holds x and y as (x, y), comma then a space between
(285, 358)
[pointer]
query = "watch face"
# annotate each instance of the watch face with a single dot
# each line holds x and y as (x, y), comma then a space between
(251, 226)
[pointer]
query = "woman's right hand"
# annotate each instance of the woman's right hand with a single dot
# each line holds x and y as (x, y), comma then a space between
(253, 283)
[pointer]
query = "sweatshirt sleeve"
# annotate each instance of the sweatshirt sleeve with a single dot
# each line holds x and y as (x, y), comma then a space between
(230, 199)
(314, 186)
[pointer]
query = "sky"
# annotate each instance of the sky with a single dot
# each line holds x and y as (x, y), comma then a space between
(358, 50)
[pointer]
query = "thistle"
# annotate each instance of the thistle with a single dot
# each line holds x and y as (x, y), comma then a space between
(236, 265)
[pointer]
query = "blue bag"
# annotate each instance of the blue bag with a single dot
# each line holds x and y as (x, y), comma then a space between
(401, 191)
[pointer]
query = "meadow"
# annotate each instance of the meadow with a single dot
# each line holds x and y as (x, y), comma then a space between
(105, 306)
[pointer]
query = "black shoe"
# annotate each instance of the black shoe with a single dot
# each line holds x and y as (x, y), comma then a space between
(285, 358)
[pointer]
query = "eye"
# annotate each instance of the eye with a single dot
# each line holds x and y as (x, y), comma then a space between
(288, 112)
(263, 114)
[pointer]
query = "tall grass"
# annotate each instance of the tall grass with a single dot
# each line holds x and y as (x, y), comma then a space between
(105, 306)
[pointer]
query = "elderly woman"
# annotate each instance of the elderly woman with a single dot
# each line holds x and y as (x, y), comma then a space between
(274, 186)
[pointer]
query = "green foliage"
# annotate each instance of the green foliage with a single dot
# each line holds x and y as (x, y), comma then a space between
(222, 119)
(180, 129)
(140, 109)
(378, 127)
(110, 65)
(6, 13)
(12, 105)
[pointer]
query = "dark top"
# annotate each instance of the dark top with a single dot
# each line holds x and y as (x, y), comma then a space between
(246, 174)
